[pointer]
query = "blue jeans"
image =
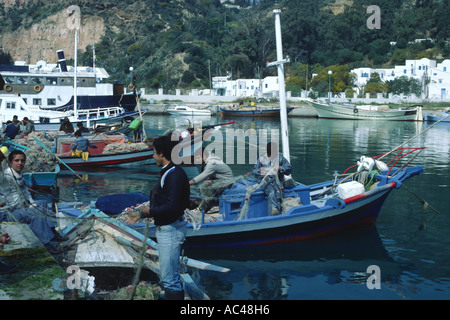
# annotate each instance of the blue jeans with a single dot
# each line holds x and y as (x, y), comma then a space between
(170, 238)
(40, 220)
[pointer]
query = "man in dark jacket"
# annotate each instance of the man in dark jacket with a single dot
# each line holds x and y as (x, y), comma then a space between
(168, 200)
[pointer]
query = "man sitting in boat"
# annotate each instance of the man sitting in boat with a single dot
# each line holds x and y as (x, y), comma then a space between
(82, 128)
(217, 176)
(66, 126)
(80, 146)
(11, 130)
(271, 169)
(28, 126)
(18, 205)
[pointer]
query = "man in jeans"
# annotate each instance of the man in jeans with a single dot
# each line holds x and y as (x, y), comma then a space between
(168, 200)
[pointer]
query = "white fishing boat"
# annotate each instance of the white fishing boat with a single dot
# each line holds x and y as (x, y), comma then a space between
(181, 109)
(354, 112)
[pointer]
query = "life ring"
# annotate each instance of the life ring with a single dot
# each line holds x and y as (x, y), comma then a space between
(8, 88)
(37, 88)
(355, 110)
(130, 87)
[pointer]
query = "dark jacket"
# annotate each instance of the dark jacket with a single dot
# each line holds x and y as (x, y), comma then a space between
(168, 202)
(11, 131)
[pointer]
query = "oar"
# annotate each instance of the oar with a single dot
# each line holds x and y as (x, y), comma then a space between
(48, 150)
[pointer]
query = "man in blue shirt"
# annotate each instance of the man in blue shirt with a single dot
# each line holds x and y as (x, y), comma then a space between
(11, 130)
(80, 146)
(168, 200)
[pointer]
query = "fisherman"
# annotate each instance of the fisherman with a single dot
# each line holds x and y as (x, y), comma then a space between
(11, 130)
(82, 128)
(168, 200)
(66, 126)
(18, 205)
(28, 126)
(80, 146)
(271, 169)
(216, 177)
(5, 268)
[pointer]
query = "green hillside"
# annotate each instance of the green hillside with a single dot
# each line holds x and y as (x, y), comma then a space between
(173, 44)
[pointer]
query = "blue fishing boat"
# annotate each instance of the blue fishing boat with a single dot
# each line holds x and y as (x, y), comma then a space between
(316, 210)
(443, 117)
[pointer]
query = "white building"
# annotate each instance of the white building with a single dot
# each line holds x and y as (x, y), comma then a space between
(224, 86)
(438, 74)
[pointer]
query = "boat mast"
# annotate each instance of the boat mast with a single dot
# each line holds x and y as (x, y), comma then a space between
(282, 91)
(74, 22)
(75, 107)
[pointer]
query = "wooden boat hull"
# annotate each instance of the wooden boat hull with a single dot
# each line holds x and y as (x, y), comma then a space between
(444, 117)
(307, 221)
(254, 112)
(355, 113)
(101, 160)
(189, 113)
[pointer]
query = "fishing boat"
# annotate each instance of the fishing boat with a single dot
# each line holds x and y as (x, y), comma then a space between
(50, 86)
(309, 211)
(443, 117)
(354, 112)
(252, 112)
(184, 110)
(113, 150)
(11, 105)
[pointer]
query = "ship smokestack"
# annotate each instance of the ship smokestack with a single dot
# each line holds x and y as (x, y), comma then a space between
(61, 60)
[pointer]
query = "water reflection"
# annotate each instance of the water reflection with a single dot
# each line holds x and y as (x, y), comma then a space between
(278, 271)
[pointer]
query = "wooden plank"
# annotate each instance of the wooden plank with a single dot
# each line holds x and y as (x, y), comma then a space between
(101, 250)
(22, 238)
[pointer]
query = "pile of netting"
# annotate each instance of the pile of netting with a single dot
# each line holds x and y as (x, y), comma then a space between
(124, 147)
(45, 137)
(38, 159)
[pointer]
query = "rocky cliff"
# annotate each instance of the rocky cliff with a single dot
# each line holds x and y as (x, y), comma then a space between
(41, 40)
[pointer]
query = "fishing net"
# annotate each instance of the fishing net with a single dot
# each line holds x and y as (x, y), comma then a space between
(124, 147)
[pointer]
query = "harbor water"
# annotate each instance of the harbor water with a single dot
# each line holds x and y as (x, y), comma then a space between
(408, 247)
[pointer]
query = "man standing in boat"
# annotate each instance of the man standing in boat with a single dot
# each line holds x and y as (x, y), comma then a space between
(271, 169)
(168, 200)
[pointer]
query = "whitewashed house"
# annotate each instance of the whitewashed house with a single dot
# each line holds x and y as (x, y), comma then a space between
(437, 74)
(224, 86)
